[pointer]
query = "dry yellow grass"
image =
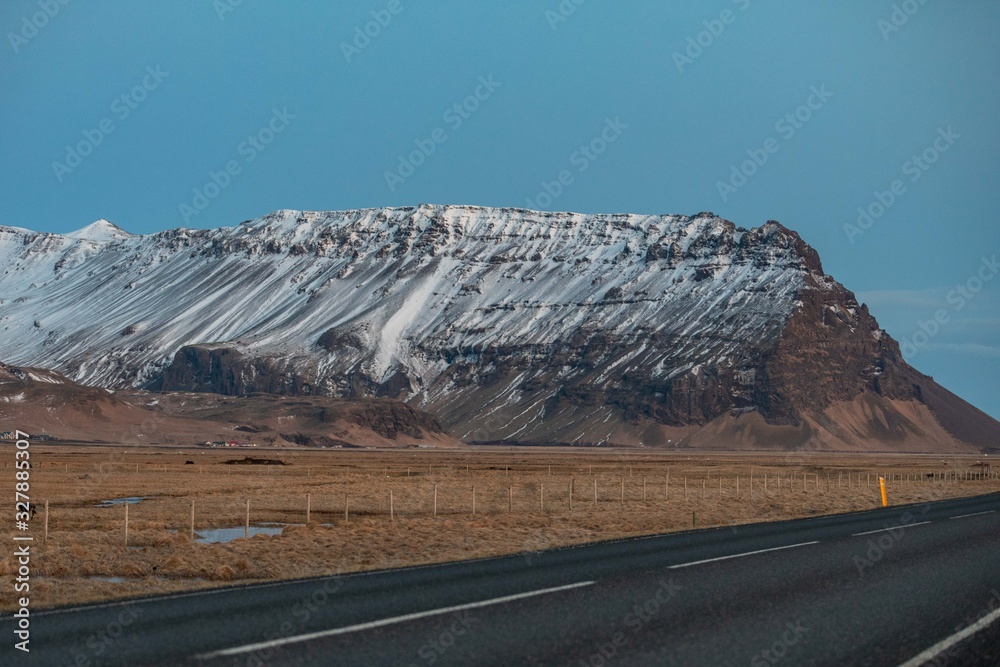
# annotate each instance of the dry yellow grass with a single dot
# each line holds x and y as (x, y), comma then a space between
(85, 557)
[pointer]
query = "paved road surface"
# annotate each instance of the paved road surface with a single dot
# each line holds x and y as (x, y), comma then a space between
(872, 588)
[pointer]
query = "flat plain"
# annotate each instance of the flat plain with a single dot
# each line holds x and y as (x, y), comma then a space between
(340, 511)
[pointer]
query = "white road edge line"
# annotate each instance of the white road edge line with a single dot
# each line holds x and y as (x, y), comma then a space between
(944, 645)
(902, 526)
(248, 648)
(962, 516)
(748, 553)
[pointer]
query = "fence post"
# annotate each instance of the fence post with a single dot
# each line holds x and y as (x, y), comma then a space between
(666, 485)
(473, 500)
(246, 523)
(391, 516)
(623, 489)
(192, 519)
(346, 505)
(569, 495)
(510, 498)
(308, 507)
(46, 521)
(643, 488)
(737, 486)
(541, 496)
(435, 500)
(126, 523)
(685, 487)
(595, 492)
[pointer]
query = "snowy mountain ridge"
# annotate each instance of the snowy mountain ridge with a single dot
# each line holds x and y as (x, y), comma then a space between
(509, 324)
(331, 270)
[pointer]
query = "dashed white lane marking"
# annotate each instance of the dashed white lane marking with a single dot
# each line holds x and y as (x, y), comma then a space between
(944, 645)
(284, 641)
(901, 526)
(963, 516)
(748, 553)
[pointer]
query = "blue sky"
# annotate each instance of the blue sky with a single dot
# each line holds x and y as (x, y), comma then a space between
(157, 115)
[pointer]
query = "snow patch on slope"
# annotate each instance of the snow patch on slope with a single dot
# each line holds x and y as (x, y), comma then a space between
(100, 231)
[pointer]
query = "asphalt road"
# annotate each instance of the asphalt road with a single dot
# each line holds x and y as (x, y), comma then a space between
(821, 591)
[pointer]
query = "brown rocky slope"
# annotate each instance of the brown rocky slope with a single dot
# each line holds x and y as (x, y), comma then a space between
(42, 402)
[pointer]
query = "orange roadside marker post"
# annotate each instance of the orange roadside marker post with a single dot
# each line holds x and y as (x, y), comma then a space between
(881, 486)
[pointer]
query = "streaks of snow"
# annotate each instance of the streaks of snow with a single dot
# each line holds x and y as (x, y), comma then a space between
(437, 279)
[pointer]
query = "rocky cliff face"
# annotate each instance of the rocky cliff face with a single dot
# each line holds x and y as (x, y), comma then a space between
(510, 325)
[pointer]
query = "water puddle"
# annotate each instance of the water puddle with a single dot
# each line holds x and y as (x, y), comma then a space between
(115, 502)
(216, 535)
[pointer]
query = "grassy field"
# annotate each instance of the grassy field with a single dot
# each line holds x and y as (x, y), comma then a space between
(522, 502)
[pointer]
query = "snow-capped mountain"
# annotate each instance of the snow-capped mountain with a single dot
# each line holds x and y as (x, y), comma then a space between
(100, 231)
(509, 324)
